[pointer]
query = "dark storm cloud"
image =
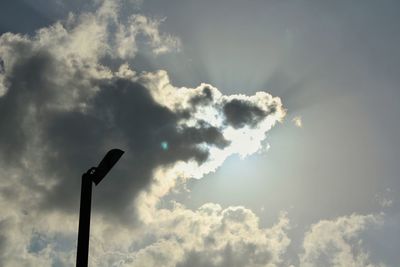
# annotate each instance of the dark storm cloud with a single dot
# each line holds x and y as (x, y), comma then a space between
(3, 237)
(62, 108)
(240, 113)
(122, 112)
(28, 87)
(50, 106)
(203, 98)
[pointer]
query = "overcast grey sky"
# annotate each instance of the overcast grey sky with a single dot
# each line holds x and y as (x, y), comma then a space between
(335, 66)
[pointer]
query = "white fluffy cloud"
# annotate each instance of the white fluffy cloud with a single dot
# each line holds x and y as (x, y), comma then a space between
(209, 236)
(337, 242)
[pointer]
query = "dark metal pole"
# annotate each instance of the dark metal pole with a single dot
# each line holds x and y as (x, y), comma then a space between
(84, 220)
(93, 175)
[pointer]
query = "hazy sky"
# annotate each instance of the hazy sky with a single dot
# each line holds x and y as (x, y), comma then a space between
(281, 119)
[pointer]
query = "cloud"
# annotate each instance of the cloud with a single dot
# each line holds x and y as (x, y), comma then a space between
(239, 113)
(159, 42)
(337, 242)
(384, 199)
(298, 121)
(62, 107)
(209, 236)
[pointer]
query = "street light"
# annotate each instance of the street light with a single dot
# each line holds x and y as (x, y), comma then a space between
(95, 175)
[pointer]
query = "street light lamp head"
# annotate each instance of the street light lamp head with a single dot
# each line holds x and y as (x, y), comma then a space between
(106, 164)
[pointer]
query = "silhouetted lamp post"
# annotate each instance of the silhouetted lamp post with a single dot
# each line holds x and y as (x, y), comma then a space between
(95, 175)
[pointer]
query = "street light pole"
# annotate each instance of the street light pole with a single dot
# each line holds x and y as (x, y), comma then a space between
(84, 220)
(94, 174)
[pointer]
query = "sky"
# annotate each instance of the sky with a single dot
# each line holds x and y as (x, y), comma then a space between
(256, 133)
